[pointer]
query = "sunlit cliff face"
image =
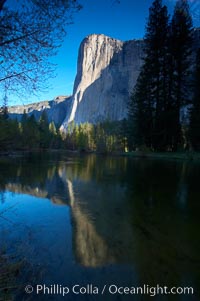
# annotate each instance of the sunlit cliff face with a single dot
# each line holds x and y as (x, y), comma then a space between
(107, 70)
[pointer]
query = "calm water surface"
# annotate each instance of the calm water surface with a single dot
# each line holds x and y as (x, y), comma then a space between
(101, 220)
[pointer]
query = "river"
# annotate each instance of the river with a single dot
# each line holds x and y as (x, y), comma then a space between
(85, 223)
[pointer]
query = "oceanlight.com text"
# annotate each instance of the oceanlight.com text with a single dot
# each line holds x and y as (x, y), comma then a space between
(111, 289)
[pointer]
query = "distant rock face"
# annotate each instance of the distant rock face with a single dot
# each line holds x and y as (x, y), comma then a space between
(56, 109)
(107, 71)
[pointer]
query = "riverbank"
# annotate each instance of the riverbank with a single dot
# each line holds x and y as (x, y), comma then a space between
(166, 155)
(191, 156)
(9, 270)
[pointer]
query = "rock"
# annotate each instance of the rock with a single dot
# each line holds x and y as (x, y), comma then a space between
(56, 109)
(107, 71)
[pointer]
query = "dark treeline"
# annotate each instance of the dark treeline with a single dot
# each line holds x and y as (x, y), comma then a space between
(167, 88)
(29, 134)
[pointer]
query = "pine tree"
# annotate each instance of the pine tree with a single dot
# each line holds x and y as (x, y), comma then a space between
(4, 108)
(53, 135)
(44, 130)
(194, 129)
(122, 135)
(24, 117)
(31, 134)
(52, 128)
(147, 104)
(140, 115)
(181, 49)
(156, 41)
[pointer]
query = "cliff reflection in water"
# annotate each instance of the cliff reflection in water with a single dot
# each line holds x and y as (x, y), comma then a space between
(140, 213)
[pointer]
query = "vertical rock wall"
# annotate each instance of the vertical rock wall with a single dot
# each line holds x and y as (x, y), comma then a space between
(107, 71)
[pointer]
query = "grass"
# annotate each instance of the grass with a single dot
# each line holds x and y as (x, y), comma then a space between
(9, 270)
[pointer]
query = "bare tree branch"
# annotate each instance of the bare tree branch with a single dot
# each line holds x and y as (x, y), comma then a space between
(16, 75)
(18, 38)
(30, 33)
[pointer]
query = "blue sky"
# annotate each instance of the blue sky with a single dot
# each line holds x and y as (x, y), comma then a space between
(124, 21)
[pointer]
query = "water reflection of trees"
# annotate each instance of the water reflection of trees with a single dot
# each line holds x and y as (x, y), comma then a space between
(123, 211)
(35, 178)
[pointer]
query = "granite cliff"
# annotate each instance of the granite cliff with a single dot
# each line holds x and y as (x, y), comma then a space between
(107, 70)
(56, 109)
